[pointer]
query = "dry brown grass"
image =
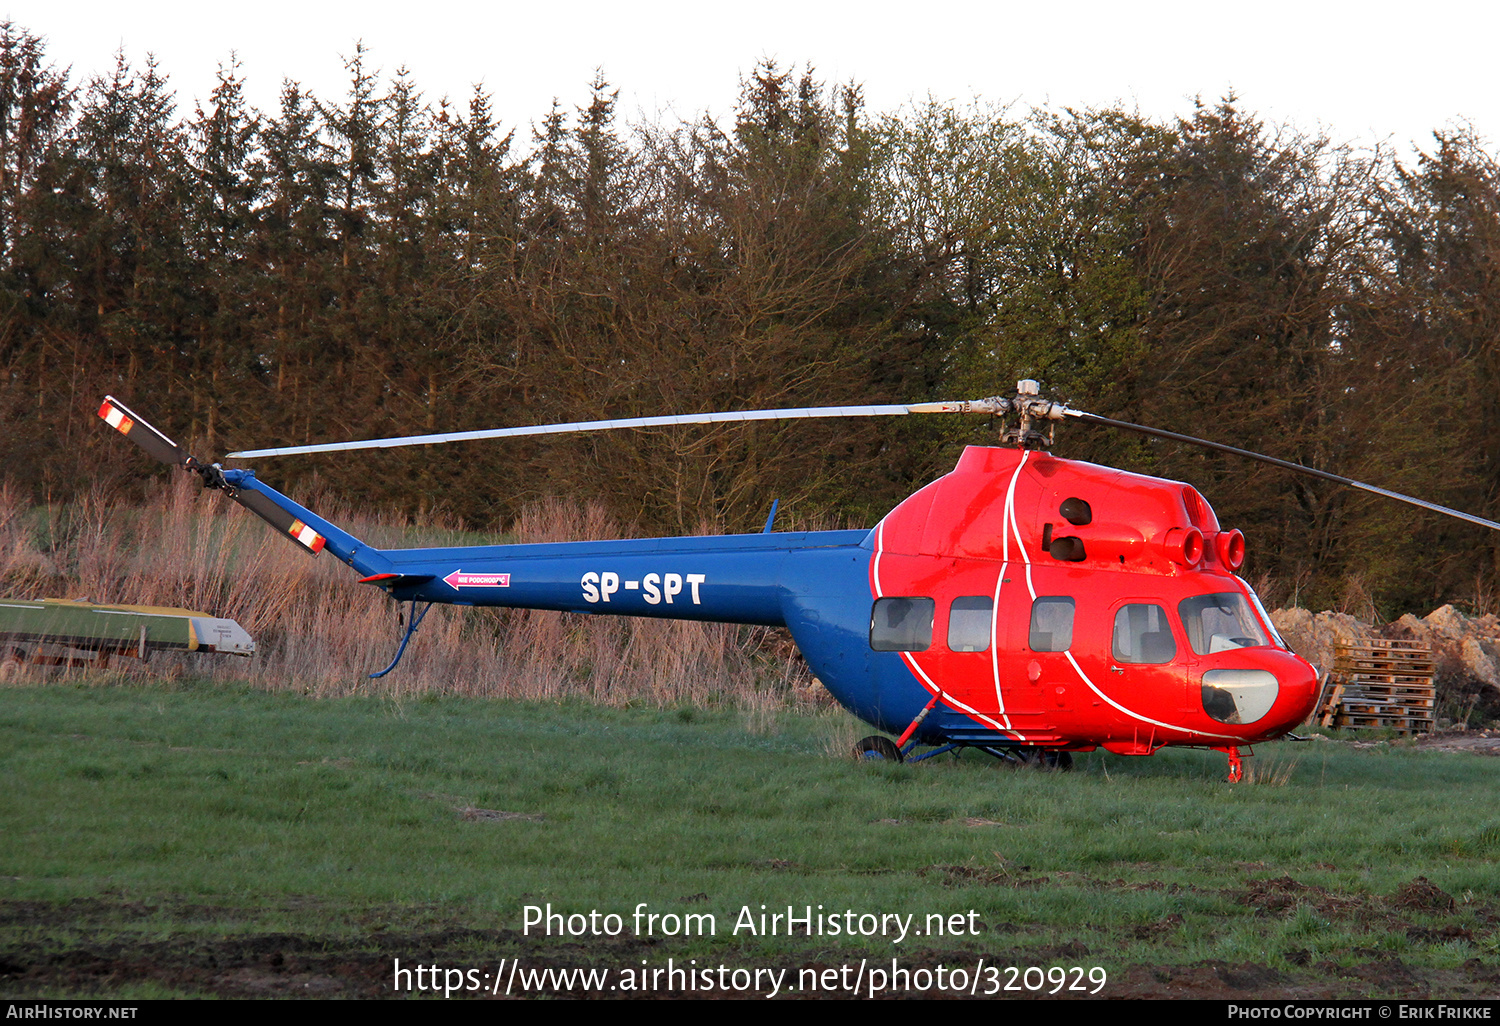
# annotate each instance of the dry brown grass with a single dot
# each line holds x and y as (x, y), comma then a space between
(1272, 772)
(319, 632)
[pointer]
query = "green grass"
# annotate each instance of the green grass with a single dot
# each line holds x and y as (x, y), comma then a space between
(276, 812)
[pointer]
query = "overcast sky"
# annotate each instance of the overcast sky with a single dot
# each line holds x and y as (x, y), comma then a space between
(1361, 72)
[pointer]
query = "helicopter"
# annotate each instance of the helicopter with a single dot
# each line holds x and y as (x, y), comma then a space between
(1024, 605)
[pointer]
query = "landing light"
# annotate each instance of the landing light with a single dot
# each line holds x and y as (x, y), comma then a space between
(1239, 696)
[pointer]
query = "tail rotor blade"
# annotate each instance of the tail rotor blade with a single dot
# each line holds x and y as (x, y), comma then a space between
(157, 445)
(278, 518)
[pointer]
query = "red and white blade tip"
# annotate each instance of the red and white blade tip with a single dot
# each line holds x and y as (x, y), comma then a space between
(307, 536)
(115, 417)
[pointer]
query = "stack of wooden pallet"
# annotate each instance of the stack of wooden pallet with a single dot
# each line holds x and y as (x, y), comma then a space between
(1380, 683)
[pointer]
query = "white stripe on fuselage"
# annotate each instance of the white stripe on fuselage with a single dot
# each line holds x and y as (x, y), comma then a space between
(1013, 525)
(1144, 719)
(1007, 516)
(907, 656)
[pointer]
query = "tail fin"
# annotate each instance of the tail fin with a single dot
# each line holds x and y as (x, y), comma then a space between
(304, 527)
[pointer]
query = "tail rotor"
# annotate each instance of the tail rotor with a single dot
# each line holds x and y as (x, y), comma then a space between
(164, 450)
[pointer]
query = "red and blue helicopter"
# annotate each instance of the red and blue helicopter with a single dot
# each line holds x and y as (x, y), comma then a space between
(1024, 605)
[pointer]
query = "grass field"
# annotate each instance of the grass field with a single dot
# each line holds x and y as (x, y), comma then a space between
(201, 838)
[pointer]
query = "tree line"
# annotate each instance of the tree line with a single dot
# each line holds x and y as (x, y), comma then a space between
(387, 264)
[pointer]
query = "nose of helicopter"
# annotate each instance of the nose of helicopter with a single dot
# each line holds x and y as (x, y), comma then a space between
(1269, 692)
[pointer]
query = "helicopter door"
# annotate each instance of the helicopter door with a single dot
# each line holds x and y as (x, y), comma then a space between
(1047, 678)
(1147, 659)
(968, 668)
(1235, 688)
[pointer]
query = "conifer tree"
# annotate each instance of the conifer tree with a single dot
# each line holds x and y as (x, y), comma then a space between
(35, 104)
(229, 176)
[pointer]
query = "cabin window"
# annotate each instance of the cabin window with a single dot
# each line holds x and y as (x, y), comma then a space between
(901, 624)
(1220, 622)
(1143, 635)
(1052, 624)
(969, 623)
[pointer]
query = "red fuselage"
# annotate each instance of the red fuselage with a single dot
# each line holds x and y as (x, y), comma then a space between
(1114, 616)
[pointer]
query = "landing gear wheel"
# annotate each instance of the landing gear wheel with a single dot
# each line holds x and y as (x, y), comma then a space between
(1060, 761)
(1047, 759)
(877, 748)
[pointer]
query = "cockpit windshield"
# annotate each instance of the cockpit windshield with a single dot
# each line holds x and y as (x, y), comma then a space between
(1265, 617)
(1220, 622)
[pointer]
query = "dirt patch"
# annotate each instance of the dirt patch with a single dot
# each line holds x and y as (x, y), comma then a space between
(953, 876)
(1161, 928)
(1284, 896)
(1274, 895)
(1475, 742)
(1422, 896)
(472, 814)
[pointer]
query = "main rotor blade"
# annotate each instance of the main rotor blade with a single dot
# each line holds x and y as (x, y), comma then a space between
(1094, 418)
(987, 406)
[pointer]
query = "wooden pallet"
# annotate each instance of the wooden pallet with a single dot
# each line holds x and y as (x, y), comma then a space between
(1400, 693)
(1413, 645)
(1403, 725)
(1330, 697)
(1352, 708)
(1380, 683)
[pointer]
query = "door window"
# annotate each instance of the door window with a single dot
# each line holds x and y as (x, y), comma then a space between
(969, 623)
(1143, 635)
(1052, 624)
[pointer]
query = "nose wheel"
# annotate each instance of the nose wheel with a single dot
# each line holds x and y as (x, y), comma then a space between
(1236, 765)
